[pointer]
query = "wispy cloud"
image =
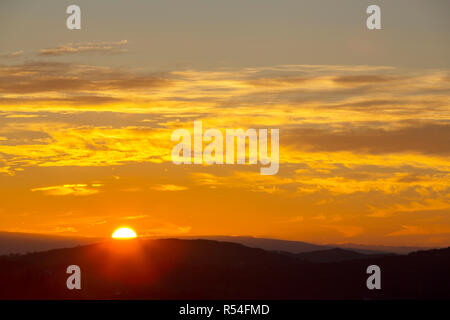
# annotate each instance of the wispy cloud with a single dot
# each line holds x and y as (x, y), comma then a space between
(166, 229)
(140, 216)
(169, 187)
(61, 81)
(69, 189)
(410, 230)
(14, 54)
(111, 47)
(360, 143)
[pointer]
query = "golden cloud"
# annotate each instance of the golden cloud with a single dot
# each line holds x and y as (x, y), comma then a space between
(68, 189)
(85, 47)
(168, 187)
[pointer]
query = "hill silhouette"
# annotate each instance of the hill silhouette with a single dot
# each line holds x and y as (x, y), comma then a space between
(17, 242)
(301, 246)
(204, 269)
(334, 255)
(265, 243)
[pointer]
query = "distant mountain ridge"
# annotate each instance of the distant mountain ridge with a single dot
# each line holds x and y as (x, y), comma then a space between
(266, 244)
(300, 247)
(363, 248)
(15, 242)
(335, 255)
(12, 242)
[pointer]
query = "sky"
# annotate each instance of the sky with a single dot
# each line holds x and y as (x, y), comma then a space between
(86, 118)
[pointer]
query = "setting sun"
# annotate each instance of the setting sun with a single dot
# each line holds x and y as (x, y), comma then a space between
(124, 233)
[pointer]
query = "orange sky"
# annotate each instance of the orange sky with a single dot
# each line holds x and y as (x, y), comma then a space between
(85, 147)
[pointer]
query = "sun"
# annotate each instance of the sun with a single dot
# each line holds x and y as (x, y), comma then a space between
(124, 233)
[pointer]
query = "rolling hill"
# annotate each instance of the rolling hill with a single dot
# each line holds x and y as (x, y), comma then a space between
(15, 242)
(205, 269)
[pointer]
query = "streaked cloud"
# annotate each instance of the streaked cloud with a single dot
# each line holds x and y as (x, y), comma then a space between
(169, 187)
(69, 189)
(415, 136)
(408, 230)
(166, 229)
(141, 216)
(61, 81)
(14, 54)
(106, 47)
(363, 149)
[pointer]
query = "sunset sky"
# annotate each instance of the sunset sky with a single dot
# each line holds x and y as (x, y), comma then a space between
(86, 118)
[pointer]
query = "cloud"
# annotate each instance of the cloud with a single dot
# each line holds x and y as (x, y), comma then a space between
(106, 47)
(279, 82)
(419, 205)
(347, 231)
(295, 219)
(14, 54)
(346, 140)
(169, 187)
(73, 100)
(421, 137)
(68, 189)
(356, 142)
(363, 79)
(162, 228)
(82, 146)
(141, 216)
(410, 230)
(247, 180)
(17, 116)
(302, 92)
(71, 83)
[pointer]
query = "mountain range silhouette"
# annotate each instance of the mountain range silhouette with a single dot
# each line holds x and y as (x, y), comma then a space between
(207, 269)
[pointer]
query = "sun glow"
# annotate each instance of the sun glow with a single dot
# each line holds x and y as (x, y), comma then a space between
(124, 233)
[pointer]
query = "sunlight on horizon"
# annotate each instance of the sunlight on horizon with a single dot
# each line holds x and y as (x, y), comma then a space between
(124, 233)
